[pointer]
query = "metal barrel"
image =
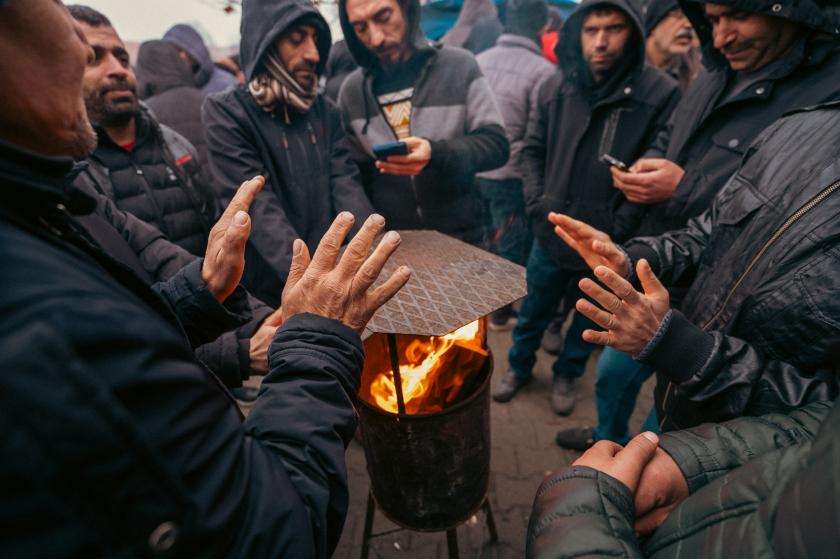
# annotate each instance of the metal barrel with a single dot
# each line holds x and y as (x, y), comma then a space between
(430, 472)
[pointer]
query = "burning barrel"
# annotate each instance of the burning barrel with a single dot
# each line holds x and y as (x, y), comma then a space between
(429, 468)
(424, 399)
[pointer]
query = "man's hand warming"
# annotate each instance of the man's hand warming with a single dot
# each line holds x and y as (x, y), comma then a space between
(626, 464)
(260, 341)
(342, 290)
(224, 259)
(661, 488)
(594, 246)
(630, 319)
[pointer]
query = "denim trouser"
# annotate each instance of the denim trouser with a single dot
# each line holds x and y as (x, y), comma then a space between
(548, 282)
(507, 229)
(620, 377)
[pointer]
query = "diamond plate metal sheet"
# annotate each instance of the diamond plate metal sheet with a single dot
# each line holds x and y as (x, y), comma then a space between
(452, 284)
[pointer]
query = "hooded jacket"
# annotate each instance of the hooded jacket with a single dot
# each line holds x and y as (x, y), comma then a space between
(575, 121)
(708, 134)
(452, 107)
(309, 175)
(166, 84)
(208, 77)
(116, 441)
(759, 330)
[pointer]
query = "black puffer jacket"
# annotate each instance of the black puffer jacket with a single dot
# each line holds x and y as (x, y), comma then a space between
(306, 163)
(159, 181)
(166, 84)
(574, 124)
(708, 137)
(760, 487)
(115, 441)
(761, 325)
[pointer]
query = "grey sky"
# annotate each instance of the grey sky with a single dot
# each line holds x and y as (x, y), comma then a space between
(139, 20)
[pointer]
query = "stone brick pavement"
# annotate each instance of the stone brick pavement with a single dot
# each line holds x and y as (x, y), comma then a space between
(523, 452)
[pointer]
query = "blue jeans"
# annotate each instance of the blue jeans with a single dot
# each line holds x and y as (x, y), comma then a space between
(620, 378)
(506, 227)
(548, 282)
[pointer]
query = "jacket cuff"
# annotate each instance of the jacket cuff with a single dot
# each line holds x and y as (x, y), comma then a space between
(657, 337)
(693, 461)
(440, 154)
(680, 349)
(636, 250)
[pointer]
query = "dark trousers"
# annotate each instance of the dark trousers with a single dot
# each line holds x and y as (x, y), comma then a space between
(620, 378)
(508, 234)
(548, 282)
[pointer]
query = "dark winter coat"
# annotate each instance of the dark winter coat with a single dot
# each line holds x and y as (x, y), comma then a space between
(760, 487)
(453, 108)
(708, 138)
(568, 118)
(159, 181)
(116, 442)
(309, 175)
(759, 329)
(144, 249)
(166, 84)
(207, 76)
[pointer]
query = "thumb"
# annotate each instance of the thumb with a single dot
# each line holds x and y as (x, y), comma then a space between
(275, 318)
(300, 262)
(237, 233)
(650, 283)
(646, 165)
(636, 455)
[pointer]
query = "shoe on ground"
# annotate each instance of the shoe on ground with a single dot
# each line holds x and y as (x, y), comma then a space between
(563, 396)
(502, 320)
(552, 340)
(508, 386)
(576, 438)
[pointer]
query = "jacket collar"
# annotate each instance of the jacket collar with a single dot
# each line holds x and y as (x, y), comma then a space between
(30, 178)
(512, 40)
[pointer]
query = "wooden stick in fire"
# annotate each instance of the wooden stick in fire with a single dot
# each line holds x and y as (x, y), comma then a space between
(395, 367)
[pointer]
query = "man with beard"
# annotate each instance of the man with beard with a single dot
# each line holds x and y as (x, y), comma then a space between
(116, 441)
(762, 60)
(605, 101)
(432, 98)
(277, 125)
(671, 44)
(152, 172)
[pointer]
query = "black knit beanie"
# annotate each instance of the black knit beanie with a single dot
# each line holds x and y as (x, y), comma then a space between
(655, 11)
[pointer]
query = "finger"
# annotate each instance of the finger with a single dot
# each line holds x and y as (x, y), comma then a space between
(402, 169)
(568, 239)
(648, 165)
(359, 248)
(607, 300)
(650, 283)
(598, 338)
(648, 523)
(598, 451)
(275, 318)
(618, 285)
(236, 237)
(600, 317)
(636, 179)
(328, 248)
(372, 266)
(609, 251)
(636, 455)
(575, 228)
(300, 263)
(392, 285)
(243, 198)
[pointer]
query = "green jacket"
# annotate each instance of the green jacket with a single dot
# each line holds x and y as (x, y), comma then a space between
(760, 487)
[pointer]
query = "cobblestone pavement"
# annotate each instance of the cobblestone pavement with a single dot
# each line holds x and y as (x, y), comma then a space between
(523, 452)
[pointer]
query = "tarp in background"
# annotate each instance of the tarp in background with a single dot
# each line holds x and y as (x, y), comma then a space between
(438, 16)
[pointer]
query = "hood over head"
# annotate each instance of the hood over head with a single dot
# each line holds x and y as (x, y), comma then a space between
(263, 21)
(160, 68)
(821, 16)
(187, 38)
(569, 52)
(365, 58)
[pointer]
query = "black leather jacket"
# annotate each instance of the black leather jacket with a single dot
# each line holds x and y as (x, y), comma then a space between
(759, 330)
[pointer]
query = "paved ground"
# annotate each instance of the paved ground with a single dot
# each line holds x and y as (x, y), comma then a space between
(523, 452)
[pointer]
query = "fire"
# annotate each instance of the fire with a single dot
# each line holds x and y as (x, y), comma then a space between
(432, 370)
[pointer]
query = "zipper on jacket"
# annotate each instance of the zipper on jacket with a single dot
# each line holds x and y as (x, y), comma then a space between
(788, 223)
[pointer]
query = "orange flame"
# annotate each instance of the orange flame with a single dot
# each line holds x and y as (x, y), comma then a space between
(421, 371)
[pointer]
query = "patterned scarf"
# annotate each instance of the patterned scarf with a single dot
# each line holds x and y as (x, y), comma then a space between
(276, 85)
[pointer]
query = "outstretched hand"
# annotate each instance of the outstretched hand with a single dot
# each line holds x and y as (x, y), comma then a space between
(342, 291)
(594, 246)
(224, 259)
(630, 319)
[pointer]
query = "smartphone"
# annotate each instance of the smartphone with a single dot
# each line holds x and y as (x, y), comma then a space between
(384, 151)
(617, 163)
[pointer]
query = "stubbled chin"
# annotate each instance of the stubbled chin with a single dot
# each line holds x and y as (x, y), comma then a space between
(81, 139)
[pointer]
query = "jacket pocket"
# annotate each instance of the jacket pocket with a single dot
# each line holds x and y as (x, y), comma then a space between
(736, 201)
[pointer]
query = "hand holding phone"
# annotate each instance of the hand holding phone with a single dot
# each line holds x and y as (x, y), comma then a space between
(383, 151)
